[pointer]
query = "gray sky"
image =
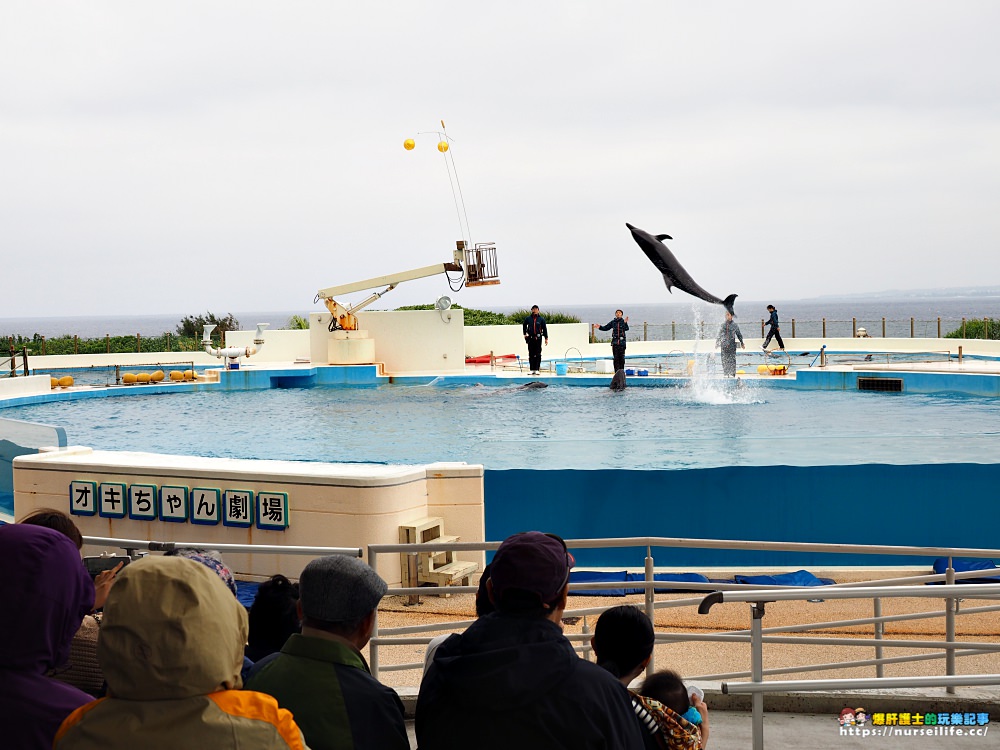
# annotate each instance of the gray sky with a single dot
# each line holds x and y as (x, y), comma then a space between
(192, 156)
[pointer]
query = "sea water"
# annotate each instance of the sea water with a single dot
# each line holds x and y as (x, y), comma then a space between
(664, 318)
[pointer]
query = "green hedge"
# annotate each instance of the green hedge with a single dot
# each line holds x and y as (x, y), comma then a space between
(977, 328)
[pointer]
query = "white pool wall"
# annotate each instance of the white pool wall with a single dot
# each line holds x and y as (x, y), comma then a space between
(330, 505)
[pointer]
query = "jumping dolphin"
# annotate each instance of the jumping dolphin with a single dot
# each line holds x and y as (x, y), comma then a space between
(618, 381)
(673, 272)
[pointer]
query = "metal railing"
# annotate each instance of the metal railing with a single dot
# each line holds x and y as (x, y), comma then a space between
(950, 592)
(823, 328)
(132, 546)
(756, 636)
(413, 635)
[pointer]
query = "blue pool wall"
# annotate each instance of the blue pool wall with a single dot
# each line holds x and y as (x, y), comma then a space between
(930, 505)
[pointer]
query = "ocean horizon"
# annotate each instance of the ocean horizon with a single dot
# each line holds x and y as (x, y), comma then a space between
(840, 315)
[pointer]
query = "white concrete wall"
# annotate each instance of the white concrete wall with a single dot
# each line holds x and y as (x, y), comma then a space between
(279, 346)
(409, 341)
(481, 340)
(330, 505)
(32, 385)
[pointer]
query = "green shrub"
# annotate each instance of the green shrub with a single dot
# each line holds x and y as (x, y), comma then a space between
(977, 328)
(550, 317)
(297, 323)
(191, 326)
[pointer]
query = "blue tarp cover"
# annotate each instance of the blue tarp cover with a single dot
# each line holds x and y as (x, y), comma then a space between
(796, 578)
(962, 564)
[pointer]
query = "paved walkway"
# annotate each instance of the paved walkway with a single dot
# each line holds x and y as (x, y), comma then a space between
(811, 720)
(732, 730)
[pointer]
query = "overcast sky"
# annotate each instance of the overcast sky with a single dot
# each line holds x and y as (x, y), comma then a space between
(191, 156)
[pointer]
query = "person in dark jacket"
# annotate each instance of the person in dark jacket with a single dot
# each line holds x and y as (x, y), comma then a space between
(515, 668)
(773, 329)
(47, 592)
(726, 340)
(535, 331)
(320, 674)
(617, 326)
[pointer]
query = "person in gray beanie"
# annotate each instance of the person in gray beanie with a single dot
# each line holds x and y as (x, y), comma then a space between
(320, 674)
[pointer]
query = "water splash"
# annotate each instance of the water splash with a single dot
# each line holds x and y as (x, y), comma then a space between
(708, 385)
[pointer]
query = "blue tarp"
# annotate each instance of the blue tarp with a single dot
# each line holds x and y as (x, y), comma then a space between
(962, 564)
(795, 578)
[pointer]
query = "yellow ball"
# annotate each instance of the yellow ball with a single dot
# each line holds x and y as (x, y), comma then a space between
(128, 378)
(54, 381)
(142, 377)
(157, 376)
(409, 144)
(176, 375)
(189, 374)
(442, 146)
(65, 381)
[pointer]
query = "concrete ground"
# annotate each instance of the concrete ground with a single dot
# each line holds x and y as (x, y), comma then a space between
(732, 730)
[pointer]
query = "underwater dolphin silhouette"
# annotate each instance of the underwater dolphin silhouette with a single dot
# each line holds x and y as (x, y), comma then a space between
(618, 381)
(673, 272)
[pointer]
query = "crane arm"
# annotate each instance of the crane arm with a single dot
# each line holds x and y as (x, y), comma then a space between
(389, 280)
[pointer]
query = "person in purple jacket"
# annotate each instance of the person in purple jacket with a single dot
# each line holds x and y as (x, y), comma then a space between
(47, 592)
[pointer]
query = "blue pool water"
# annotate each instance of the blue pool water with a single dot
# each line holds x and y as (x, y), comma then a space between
(503, 427)
(711, 462)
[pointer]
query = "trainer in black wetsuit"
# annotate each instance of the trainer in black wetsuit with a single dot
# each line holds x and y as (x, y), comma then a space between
(617, 326)
(774, 329)
(534, 331)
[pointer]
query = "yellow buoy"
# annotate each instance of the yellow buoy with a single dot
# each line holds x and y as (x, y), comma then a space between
(142, 377)
(741, 372)
(442, 146)
(128, 378)
(189, 374)
(176, 375)
(65, 381)
(157, 376)
(408, 144)
(54, 382)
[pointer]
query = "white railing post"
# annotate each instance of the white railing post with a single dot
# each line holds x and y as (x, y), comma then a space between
(373, 641)
(879, 632)
(949, 626)
(650, 601)
(757, 673)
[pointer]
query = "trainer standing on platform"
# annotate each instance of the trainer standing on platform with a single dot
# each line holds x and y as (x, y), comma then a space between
(535, 331)
(617, 326)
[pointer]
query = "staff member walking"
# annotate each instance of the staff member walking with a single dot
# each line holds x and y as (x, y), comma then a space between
(535, 331)
(773, 329)
(617, 326)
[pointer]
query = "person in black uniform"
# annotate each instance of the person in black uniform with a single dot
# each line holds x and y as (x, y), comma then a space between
(773, 329)
(535, 331)
(617, 326)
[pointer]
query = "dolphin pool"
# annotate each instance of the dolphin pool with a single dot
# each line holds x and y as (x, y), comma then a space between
(704, 461)
(506, 427)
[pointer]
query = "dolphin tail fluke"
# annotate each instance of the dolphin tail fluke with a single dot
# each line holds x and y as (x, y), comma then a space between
(728, 304)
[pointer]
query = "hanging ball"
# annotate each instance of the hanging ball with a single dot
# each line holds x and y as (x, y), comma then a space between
(442, 146)
(408, 144)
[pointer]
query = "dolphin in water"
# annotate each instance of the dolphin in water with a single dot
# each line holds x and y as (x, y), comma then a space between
(618, 381)
(532, 386)
(673, 272)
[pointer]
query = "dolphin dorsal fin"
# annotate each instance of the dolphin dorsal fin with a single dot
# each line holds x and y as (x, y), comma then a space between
(662, 237)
